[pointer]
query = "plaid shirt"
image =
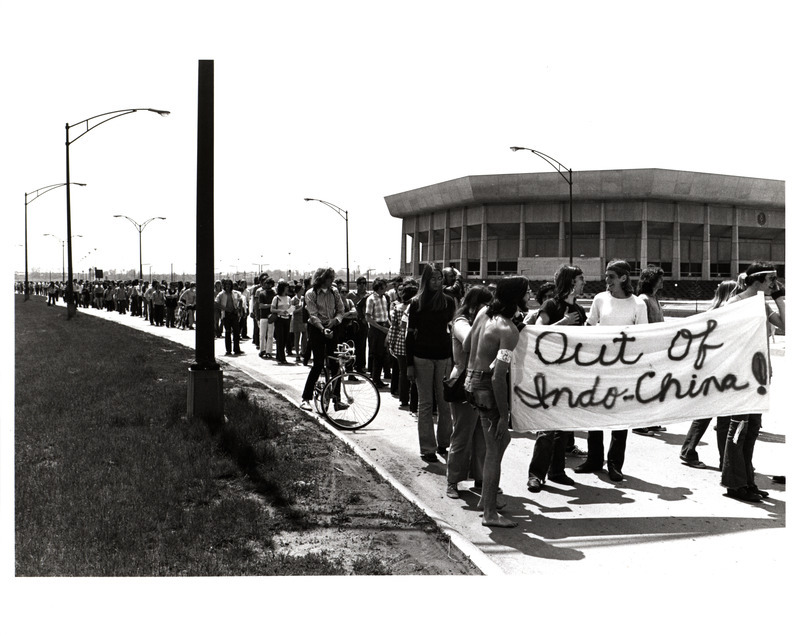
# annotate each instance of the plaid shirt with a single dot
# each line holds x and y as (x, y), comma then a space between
(396, 338)
(378, 308)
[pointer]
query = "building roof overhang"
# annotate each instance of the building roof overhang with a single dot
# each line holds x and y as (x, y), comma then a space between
(594, 185)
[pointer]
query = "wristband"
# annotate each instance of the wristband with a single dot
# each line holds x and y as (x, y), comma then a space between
(778, 293)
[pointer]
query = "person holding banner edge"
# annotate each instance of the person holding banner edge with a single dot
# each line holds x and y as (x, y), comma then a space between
(738, 475)
(698, 427)
(550, 446)
(616, 306)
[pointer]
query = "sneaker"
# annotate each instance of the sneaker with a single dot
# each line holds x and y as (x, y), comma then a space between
(403, 407)
(452, 491)
(575, 451)
(338, 405)
(305, 405)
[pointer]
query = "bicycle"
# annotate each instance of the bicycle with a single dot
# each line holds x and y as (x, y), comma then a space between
(348, 400)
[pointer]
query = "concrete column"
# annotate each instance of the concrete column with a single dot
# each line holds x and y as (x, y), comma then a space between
(603, 246)
(484, 272)
(676, 245)
(446, 248)
(706, 268)
(415, 248)
(429, 257)
(735, 243)
(562, 240)
(463, 252)
(522, 237)
(643, 257)
(403, 255)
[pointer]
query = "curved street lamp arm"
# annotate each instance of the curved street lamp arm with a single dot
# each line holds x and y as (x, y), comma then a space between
(555, 163)
(155, 218)
(47, 189)
(108, 117)
(341, 212)
(135, 224)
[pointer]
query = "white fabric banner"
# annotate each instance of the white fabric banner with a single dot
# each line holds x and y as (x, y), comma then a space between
(590, 378)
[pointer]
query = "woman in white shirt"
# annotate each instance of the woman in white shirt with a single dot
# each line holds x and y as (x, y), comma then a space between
(616, 306)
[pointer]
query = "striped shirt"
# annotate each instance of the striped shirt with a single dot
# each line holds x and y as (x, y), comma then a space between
(323, 306)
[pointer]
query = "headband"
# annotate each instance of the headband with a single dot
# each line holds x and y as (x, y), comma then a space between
(765, 271)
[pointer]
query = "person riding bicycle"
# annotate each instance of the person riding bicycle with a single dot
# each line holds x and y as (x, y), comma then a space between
(325, 314)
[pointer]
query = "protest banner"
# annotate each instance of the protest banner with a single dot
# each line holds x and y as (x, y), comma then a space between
(612, 377)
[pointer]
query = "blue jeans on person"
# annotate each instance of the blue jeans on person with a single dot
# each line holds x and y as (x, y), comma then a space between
(548, 455)
(696, 431)
(407, 391)
(480, 394)
(467, 444)
(428, 375)
(737, 463)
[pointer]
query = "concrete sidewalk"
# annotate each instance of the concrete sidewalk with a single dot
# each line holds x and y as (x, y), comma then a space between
(663, 519)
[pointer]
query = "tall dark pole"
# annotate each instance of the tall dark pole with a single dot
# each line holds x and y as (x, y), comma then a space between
(205, 376)
(347, 246)
(140, 254)
(570, 216)
(205, 217)
(26, 294)
(71, 306)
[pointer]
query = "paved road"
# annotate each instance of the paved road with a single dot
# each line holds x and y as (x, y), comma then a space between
(664, 520)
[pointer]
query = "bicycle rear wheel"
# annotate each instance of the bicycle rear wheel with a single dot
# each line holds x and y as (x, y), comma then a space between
(358, 401)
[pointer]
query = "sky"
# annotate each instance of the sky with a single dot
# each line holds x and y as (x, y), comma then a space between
(352, 101)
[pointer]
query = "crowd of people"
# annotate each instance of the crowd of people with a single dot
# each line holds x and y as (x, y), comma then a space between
(443, 350)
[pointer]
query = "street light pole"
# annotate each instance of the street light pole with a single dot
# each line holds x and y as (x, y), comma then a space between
(342, 213)
(91, 124)
(140, 228)
(36, 194)
(560, 168)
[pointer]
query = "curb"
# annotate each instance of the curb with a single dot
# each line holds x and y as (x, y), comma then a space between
(462, 544)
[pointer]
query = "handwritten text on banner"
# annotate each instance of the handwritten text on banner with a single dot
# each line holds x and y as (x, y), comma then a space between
(585, 378)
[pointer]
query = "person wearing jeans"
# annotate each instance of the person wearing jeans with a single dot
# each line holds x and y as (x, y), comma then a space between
(428, 353)
(467, 444)
(696, 430)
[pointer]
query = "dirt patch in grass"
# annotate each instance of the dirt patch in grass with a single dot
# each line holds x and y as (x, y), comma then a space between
(112, 480)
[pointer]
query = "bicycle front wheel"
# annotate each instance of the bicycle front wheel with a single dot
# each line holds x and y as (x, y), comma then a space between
(350, 401)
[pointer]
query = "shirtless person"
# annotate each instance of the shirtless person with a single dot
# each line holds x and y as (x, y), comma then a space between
(489, 346)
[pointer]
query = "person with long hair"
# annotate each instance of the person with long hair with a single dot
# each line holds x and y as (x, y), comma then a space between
(489, 349)
(738, 475)
(551, 446)
(698, 427)
(616, 306)
(651, 281)
(467, 445)
(428, 353)
(325, 313)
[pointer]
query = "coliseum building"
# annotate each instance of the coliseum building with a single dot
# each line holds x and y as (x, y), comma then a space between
(695, 226)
